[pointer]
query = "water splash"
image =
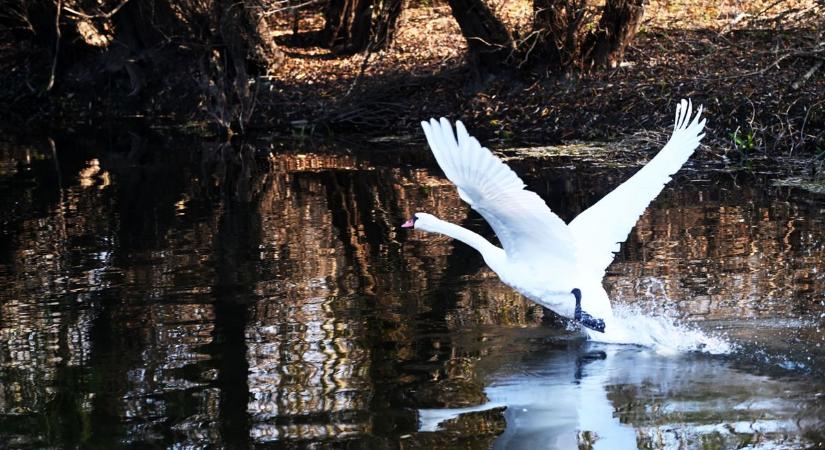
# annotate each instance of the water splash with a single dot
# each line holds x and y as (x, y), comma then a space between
(649, 321)
(660, 332)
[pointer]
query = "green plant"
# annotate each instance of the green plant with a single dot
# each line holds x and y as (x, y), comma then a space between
(745, 142)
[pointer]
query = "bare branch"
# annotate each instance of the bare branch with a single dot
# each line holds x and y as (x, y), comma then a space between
(797, 84)
(97, 16)
(50, 85)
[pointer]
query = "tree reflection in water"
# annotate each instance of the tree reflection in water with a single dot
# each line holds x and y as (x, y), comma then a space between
(245, 294)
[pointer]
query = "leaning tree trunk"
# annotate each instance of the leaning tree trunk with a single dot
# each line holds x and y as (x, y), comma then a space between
(489, 42)
(617, 28)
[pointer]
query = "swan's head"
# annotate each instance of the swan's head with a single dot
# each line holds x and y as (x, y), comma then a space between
(421, 221)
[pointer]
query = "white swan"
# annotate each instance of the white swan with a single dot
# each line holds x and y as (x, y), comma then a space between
(543, 258)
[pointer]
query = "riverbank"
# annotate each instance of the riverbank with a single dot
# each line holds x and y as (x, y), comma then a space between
(758, 72)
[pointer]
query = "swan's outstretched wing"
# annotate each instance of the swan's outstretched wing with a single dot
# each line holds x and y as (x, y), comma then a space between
(599, 229)
(526, 227)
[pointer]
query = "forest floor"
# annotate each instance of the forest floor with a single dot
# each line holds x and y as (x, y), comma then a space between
(757, 71)
(757, 67)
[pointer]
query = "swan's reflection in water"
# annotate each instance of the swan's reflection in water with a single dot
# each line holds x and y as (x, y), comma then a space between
(595, 396)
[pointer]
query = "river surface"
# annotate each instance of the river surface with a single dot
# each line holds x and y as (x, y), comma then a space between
(172, 293)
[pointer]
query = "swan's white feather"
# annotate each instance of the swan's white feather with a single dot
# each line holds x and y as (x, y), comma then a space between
(599, 229)
(543, 257)
(525, 226)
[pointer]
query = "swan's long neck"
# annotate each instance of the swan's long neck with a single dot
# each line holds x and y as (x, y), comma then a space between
(466, 236)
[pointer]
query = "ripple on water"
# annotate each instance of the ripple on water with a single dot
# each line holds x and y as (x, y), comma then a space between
(166, 298)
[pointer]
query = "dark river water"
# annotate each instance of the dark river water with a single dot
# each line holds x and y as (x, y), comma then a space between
(171, 293)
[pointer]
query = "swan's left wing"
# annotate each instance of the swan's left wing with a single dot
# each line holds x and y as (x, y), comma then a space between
(525, 226)
(599, 229)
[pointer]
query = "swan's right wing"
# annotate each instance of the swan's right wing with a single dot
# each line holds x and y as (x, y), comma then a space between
(524, 224)
(599, 229)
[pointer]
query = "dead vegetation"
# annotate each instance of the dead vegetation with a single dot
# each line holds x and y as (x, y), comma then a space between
(757, 66)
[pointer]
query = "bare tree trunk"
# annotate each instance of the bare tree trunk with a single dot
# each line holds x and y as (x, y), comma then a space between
(347, 25)
(617, 28)
(240, 51)
(351, 27)
(335, 15)
(489, 42)
(359, 36)
(558, 26)
(137, 31)
(385, 23)
(564, 42)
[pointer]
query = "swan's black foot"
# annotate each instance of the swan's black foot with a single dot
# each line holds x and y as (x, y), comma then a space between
(582, 317)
